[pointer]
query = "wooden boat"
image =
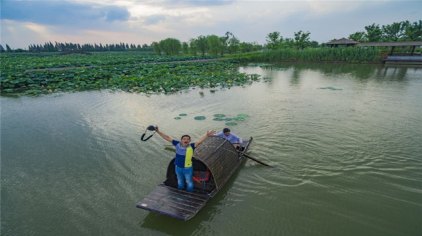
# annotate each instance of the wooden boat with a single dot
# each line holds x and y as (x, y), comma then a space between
(214, 162)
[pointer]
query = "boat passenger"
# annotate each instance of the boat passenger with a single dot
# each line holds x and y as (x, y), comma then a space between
(231, 137)
(183, 161)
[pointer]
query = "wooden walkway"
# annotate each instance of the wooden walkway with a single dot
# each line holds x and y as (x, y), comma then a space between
(409, 58)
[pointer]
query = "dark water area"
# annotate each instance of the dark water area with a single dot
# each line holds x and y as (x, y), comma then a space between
(344, 142)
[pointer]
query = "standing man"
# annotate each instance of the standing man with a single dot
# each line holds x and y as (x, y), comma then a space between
(183, 161)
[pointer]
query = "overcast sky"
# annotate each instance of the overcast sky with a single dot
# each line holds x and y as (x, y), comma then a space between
(25, 22)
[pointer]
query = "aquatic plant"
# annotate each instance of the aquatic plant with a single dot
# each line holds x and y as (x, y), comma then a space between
(33, 74)
(347, 54)
(199, 117)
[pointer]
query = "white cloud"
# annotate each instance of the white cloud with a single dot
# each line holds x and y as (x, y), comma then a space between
(250, 21)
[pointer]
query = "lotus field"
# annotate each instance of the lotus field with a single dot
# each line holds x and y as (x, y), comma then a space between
(35, 74)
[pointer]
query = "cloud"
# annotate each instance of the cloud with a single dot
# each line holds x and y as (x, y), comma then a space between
(116, 14)
(191, 3)
(145, 21)
(65, 13)
(154, 19)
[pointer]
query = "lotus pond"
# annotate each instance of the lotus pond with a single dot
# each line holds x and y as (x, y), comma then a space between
(34, 74)
(344, 142)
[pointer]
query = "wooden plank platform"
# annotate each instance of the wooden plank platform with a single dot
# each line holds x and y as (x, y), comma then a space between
(173, 202)
(405, 60)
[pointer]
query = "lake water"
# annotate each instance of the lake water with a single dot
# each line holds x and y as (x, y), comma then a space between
(344, 142)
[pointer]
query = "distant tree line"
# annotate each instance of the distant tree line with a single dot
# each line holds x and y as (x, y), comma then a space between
(397, 31)
(229, 44)
(76, 47)
(210, 44)
(300, 41)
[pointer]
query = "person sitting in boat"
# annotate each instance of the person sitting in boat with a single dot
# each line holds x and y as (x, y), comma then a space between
(231, 137)
(183, 161)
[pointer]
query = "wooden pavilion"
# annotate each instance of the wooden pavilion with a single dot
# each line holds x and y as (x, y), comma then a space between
(399, 58)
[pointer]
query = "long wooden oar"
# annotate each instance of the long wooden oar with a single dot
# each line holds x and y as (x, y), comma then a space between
(260, 162)
(171, 149)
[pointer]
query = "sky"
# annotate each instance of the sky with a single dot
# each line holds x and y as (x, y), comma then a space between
(25, 22)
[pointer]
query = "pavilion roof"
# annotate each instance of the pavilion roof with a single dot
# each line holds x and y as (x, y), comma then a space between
(342, 41)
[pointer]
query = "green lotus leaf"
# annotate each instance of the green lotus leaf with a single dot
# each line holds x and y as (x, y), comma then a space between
(239, 118)
(231, 123)
(199, 117)
(219, 119)
(183, 114)
(243, 115)
(219, 115)
(177, 118)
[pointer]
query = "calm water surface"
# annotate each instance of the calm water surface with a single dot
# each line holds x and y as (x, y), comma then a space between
(345, 143)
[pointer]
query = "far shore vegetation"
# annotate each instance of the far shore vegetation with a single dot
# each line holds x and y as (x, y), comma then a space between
(170, 65)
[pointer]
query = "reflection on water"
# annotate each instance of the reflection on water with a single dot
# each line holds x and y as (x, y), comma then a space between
(357, 71)
(343, 140)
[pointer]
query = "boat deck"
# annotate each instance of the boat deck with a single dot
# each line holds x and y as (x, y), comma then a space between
(173, 202)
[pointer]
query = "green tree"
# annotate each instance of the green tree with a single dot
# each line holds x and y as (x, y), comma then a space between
(302, 39)
(1, 48)
(202, 44)
(156, 47)
(233, 44)
(215, 44)
(313, 44)
(413, 31)
(245, 47)
(225, 42)
(170, 46)
(358, 36)
(193, 47)
(273, 40)
(249, 47)
(8, 49)
(287, 43)
(185, 48)
(393, 32)
(373, 33)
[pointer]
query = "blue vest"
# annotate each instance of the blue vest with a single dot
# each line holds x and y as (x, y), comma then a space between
(183, 154)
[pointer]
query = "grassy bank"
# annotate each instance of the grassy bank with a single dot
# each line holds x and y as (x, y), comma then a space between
(314, 55)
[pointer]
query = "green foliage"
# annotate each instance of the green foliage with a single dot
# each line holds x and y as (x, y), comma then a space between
(233, 44)
(202, 44)
(393, 32)
(397, 31)
(156, 47)
(199, 117)
(185, 48)
(34, 74)
(373, 33)
(413, 31)
(358, 36)
(215, 44)
(302, 39)
(347, 54)
(273, 40)
(170, 46)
